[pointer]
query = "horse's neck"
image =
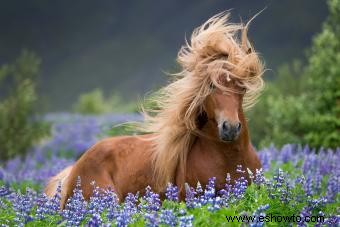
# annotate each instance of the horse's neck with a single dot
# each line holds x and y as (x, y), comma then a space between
(208, 140)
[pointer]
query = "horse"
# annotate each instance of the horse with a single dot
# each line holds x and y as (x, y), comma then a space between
(198, 130)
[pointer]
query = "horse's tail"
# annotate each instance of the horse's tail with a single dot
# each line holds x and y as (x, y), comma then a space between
(60, 178)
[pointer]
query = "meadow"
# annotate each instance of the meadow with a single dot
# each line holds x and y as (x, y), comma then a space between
(298, 183)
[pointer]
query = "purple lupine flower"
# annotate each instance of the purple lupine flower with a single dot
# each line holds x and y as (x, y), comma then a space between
(332, 220)
(182, 212)
(333, 187)
(267, 155)
(41, 207)
(316, 203)
(240, 187)
(306, 150)
(259, 177)
(279, 187)
(95, 220)
(319, 221)
(241, 184)
(286, 153)
(285, 194)
(260, 211)
(96, 205)
(124, 216)
(53, 205)
(209, 192)
(110, 201)
(75, 209)
(301, 180)
(151, 219)
(227, 191)
(172, 192)
(209, 196)
(168, 218)
(308, 186)
(186, 221)
(279, 178)
(215, 204)
(2, 174)
(46, 206)
(317, 182)
(225, 196)
(4, 191)
(190, 200)
(22, 205)
(305, 212)
(130, 203)
(151, 199)
(265, 158)
(310, 163)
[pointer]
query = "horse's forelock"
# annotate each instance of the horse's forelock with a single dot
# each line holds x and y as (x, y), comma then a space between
(222, 48)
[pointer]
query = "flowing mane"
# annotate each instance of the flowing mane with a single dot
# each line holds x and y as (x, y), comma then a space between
(217, 48)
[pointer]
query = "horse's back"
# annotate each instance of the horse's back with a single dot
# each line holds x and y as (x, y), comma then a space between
(120, 163)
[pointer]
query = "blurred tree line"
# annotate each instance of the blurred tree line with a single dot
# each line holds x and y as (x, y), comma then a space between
(302, 105)
(94, 102)
(99, 46)
(18, 127)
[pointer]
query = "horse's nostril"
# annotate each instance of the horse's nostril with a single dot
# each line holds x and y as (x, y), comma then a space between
(225, 125)
(238, 126)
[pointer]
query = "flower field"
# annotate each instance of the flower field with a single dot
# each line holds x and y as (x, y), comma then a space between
(295, 182)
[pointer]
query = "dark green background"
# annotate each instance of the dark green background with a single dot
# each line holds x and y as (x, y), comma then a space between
(126, 46)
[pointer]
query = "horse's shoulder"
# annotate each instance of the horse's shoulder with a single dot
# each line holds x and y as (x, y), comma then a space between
(121, 144)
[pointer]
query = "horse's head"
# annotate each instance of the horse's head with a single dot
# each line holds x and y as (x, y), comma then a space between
(223, 106)
(223, 73)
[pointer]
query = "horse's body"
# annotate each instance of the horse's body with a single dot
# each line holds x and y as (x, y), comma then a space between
(199, 131)
(124, 164)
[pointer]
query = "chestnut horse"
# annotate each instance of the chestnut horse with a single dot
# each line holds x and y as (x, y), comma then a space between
(198, 130)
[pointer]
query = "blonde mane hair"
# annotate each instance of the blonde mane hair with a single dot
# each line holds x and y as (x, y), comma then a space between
(217, 48)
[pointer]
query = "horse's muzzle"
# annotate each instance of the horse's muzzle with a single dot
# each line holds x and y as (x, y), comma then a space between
(229, 132)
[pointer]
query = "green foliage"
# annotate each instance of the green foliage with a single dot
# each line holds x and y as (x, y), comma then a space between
(18, 129)
(302, 105)
(119, 130)
(285, 114)
(275, 116)
(91, 103)
(22, 186)
(323, 71)
(94, 102)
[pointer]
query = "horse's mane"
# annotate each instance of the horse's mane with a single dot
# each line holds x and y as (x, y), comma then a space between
(217, 48)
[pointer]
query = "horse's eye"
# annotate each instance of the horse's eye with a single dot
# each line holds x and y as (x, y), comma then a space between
(212, 86)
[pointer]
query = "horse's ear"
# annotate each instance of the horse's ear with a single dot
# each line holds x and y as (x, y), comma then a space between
(201, 119)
